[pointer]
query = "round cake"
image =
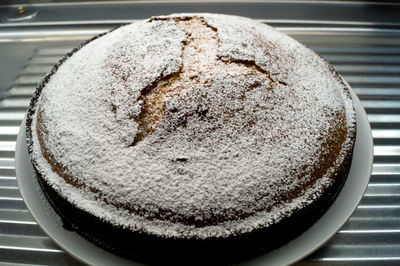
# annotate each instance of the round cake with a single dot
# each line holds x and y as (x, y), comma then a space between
(191, 136)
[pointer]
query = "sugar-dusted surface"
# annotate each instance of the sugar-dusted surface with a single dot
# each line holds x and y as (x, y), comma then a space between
(233, 138)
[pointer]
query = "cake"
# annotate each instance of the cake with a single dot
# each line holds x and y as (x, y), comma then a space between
(199, 137)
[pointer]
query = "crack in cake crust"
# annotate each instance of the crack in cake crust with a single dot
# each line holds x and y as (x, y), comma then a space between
(199, 56)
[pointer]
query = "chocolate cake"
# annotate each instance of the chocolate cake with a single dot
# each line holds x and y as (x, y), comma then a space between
(197, 137)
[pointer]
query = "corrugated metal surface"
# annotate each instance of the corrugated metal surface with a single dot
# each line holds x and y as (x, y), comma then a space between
(368, 58)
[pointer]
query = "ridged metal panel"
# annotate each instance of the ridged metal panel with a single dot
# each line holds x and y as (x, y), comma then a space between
(371, 236)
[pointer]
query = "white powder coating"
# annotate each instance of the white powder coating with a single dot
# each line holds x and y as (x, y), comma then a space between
(240, 113)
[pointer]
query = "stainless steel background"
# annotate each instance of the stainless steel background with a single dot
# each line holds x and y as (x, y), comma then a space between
(362, 41)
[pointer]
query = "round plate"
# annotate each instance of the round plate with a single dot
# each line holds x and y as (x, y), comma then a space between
(333, 219)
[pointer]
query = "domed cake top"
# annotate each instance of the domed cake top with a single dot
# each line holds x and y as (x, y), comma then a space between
(210, 124)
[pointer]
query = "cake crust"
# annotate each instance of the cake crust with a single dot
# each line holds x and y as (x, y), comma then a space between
(212, 102)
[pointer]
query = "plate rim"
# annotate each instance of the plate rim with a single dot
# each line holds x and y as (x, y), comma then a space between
(293, 251)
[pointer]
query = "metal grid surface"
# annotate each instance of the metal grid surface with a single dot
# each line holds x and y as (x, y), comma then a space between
(368, 59)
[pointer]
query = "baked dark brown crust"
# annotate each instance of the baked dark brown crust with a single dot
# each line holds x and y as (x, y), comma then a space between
(143, 247)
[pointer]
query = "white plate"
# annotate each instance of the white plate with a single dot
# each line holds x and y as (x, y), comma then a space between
(340, 211)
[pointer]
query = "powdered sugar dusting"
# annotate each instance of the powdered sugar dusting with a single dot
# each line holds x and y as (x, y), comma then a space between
(189, 122)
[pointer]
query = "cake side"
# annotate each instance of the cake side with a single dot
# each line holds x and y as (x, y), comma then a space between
(216, 216)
